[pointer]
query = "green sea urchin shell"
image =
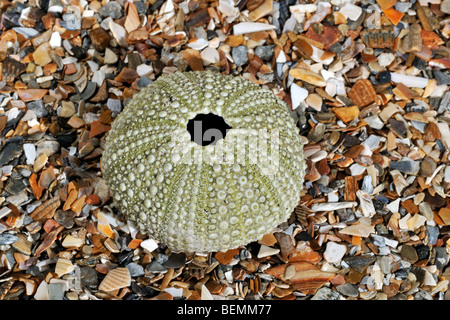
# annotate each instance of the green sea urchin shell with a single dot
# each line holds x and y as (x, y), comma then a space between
(195, 198)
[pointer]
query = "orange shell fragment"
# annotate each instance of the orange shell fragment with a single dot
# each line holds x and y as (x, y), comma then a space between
(430, 39)
(103, 226)
(393, 15)
(386, 4)
(35, 188)
(31, 94)
(346, 114)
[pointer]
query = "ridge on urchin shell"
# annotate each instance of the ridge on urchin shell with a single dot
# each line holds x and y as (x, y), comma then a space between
(197, 205)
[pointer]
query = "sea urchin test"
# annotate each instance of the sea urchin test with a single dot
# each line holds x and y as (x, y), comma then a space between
(201, 161)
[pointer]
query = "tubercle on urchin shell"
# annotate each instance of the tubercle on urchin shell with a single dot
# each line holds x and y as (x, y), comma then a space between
(200, 207)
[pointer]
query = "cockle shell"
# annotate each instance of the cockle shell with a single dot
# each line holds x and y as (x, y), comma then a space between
(116, 279)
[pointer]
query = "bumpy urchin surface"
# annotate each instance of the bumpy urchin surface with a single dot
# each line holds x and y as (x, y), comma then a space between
(197, 204)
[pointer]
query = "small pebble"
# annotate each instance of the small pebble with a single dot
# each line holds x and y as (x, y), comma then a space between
(38, 108)
(176, 260)
(265, 52)
(348, 289)
(136, 270)
(7, 238)
(112, 9)
(115, 105)
(156, 267)
(239, 55)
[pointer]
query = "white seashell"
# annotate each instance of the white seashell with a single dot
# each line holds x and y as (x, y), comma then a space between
(42, 291)
(298, 94)
(149, 245)
(205, 294)
(329, 206)
(199, 44)
(410, 81)
(366, 204)
(266, 251)
(250, 27)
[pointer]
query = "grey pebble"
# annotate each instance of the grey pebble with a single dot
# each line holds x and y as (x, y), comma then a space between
(27, 77)
(422, 295)
(405, 166)
(111, 9)
(161, 258)
(360, 263)
(269, 77)
(48, 147)
(32, 206)
(155, 266)
(136, 270)
(367, 184)
(200, 33)
(401, 273)
(419, 125)
(374, 122)
(317, 134)
(336, 48)
(445, 103)
(9, 152)
(115, 105)
(56, 291)
(409, 253)
(422, 251)
(141, 7)
(402, 6)
(244, 254)
(15, 185)
(176, 260)
(345, 215)
(419, 273)
(367, 280)
(265, 52)
(327, 294)
(54, 3)
(65, 218)
(89, 277)
(348, 289)
(399, 296)
(385, 264)
(433, 233)
(353, 25)
(8, 238)
(71, 22)
(239, 55)
(381, 229)
(27, 32)
(38, 108)
(441, 77)
(441, 258)
(27, 220)
(144, 82)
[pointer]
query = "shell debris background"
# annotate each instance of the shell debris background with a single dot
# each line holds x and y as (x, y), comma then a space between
(367, 83)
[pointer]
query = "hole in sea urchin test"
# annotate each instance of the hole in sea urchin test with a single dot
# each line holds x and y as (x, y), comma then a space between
(206, 129)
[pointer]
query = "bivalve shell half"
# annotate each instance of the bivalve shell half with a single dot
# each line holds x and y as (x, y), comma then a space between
(116, 279)
(63, 266)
